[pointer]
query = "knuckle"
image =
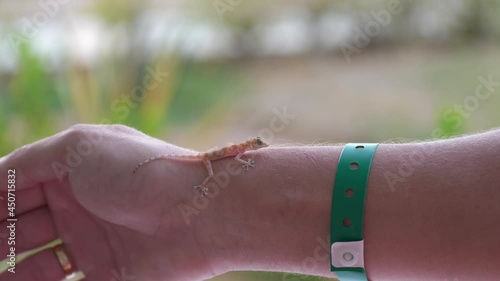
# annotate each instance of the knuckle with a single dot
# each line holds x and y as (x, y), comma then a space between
(80, 127)
(125, 129)
(122, 128)
(76, 132)
(21, 151)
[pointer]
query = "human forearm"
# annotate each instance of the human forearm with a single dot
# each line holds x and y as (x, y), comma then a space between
(440, 219)
(272, 215)
(436, 217)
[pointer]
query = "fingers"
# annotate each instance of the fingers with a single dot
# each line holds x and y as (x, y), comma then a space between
(32, 164)
(50, 158)
(26, 200)
(33, 229)
(81, 231)
(54, 157)
(43, 266)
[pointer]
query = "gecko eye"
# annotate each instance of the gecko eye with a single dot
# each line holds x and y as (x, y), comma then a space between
(259, 141)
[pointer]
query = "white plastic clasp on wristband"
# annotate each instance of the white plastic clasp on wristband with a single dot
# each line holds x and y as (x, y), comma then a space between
(348, 254)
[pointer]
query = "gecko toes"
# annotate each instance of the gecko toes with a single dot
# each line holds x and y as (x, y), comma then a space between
(202, 190)
(249, 164)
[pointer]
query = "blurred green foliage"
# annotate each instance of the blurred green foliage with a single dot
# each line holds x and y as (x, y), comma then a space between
(30, 102)
(213, 82)
(38, 102)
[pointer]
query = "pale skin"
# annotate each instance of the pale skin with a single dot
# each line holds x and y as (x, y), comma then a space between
(438, 222)
(231, 150)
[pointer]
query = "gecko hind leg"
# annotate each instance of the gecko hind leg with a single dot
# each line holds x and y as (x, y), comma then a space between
(246, 165)
(202, 189)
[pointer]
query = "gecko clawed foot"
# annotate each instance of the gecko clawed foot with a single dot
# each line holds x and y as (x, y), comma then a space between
(201, 189)
(249, 164)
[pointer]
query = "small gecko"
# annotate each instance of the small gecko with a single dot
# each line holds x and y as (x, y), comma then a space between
(236, 150)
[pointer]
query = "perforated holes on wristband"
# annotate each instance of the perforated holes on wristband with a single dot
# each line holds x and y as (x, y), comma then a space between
(354, 166)
(349, 193)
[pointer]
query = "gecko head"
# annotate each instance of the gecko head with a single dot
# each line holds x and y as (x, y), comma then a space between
(257, 143)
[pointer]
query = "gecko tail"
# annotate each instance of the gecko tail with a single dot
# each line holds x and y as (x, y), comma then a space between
(168, 157)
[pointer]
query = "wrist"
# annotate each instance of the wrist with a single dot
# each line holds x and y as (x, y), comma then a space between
(275, 216)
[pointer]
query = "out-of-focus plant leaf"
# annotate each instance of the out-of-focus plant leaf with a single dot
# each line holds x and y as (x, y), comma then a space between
(33, 96)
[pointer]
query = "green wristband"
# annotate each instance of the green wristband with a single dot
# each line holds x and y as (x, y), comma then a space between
(348, 206)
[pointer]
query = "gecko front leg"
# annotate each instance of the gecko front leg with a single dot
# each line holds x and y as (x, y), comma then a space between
(244, 164)
(202, 189)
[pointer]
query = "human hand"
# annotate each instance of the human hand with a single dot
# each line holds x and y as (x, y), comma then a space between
(117, 225)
